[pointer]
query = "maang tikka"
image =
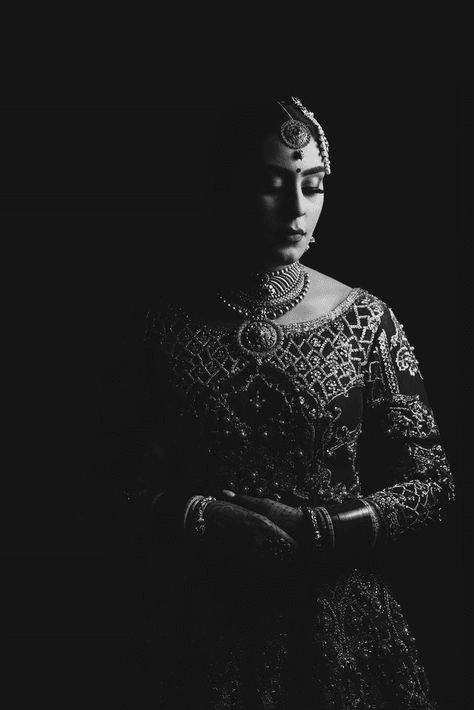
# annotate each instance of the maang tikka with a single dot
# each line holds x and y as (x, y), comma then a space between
(322, 141)
(296, 134)
(269, 295)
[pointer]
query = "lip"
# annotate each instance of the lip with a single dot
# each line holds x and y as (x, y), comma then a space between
(292, 238)
(290, 235)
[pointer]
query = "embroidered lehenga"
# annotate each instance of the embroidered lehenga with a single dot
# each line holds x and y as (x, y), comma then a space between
(328, 410)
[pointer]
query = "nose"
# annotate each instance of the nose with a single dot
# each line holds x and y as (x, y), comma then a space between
(294, 202)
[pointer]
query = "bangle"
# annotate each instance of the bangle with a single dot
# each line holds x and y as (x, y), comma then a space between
(329, 525)
(374, 519)
(192, 502)
(312, 517)
(356, 525)
(198, 514)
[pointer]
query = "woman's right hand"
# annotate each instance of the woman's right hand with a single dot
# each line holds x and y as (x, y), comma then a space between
(234, 531)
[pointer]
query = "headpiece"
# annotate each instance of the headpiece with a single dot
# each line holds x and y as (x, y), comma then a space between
(296, 134)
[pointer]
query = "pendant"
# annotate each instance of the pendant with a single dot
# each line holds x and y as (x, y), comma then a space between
(259, 336)
(295, 134)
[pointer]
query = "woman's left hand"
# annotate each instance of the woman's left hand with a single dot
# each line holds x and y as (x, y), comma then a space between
(291, 520)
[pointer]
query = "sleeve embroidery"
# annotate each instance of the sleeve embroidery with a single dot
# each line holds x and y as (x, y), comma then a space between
(415, 481)
(387, 363)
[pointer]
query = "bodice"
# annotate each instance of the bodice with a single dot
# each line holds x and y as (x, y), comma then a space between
(315, 412)
(282, 420)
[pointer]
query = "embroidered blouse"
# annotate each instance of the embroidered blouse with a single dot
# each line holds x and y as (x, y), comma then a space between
(314, 413)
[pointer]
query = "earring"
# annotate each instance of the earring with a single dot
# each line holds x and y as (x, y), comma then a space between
(311, 241)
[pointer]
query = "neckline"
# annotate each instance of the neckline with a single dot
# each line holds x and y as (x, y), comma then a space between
(338, 310)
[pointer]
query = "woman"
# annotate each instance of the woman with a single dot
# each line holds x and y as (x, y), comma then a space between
(296, 445)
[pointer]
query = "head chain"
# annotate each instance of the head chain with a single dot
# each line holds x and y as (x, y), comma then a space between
(323, 143)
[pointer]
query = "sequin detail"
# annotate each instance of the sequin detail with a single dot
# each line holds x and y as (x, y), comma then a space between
(336, 409)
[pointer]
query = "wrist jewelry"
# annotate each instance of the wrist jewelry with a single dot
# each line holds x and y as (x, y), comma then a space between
(192, 502)
(374, 518)
(312, 518)
(325, 516)
(198, 514)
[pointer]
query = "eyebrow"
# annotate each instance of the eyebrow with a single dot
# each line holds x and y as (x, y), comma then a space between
(283, 171)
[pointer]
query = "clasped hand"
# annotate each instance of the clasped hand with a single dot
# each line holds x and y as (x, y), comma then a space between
(260, 526)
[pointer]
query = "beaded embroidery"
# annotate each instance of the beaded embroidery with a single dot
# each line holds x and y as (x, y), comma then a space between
(291, 423)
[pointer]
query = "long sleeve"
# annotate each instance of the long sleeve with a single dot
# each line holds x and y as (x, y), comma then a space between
(405, 476)
(413, 483)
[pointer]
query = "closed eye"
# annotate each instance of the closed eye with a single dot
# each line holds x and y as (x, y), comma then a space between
(273, 189)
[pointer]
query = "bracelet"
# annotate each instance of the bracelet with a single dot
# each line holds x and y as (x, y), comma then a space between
(374, 518)
(356, 525)
(311, 515)
(329, 525)
(198, 513)
(192, 502)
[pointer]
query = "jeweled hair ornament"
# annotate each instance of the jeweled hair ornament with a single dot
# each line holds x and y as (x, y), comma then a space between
(295, 134)
(323, 144)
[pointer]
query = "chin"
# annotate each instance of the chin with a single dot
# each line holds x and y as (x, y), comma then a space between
(282, 256)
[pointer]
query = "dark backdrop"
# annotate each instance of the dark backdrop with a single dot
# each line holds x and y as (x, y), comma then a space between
(96, 200)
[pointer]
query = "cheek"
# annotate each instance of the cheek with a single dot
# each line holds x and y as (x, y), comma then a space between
(263, 205)
(268, 204)
(316, 208)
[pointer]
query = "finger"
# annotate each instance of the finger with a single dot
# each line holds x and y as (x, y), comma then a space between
(283, 534)
(280, 548)
(242, 499)
(250, 502)
(263, 503)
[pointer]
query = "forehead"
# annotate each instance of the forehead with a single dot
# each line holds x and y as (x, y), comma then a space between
(273, 151)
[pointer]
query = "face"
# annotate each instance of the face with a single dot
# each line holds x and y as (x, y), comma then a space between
(284, 204)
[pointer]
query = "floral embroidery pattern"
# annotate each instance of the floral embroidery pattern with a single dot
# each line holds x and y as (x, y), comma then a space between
(406, 360)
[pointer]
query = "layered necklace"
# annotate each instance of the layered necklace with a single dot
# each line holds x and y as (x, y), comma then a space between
(259, 298)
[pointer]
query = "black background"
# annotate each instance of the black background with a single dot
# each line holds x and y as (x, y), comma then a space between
(96, 198)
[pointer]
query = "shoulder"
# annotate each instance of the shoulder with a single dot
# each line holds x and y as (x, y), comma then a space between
(324, 286)
(327, 293)
(373, 312)
(324, 294)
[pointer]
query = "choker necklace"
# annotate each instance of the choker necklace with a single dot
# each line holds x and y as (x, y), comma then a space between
(261, 297)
